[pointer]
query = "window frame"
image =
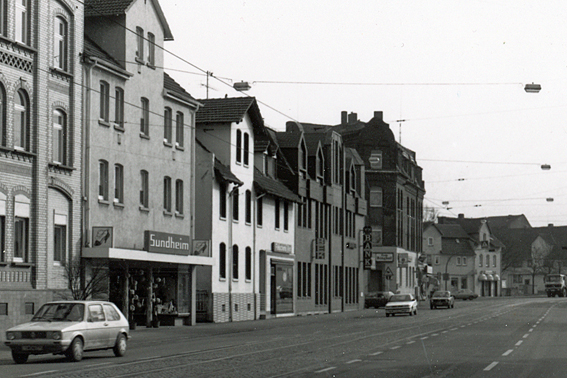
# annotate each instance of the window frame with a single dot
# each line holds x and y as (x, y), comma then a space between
(145, 119)
(119, 107)
(223, 200)
(179, 130)
(59, 243)
(61, 43)
(3, 123)
(144, 188)
(179, 197)
(167, 194)
(22, 23)
(22, 121)
(104, 114)
(59, 137)
(235, 263)
(168, 126)
(21, 247)
(260, 211)
(103, 182)
(151, 50)
(222, 261)
(248, 264)
(246, 150)
(248, 207)
(139, 44)
(118, 184)
(238, 146)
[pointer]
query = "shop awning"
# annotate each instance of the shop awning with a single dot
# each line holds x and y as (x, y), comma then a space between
(482, 277)
(496, 277)
(489, 277)
(225, 173)
(136, 255)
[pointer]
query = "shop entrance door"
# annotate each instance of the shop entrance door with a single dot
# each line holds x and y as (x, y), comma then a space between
(273, 289)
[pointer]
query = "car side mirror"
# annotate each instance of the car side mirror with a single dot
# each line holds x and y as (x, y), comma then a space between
(89, 319)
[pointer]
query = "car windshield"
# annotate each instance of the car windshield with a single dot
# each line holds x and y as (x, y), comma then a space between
(441, 294)
(553, 279)
(400, 298)
(70, 312)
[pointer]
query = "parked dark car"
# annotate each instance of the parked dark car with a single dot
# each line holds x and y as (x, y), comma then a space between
(377, 299)
(442, 299)
(465, 294)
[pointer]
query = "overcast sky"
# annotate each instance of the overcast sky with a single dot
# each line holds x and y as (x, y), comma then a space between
(453, 70)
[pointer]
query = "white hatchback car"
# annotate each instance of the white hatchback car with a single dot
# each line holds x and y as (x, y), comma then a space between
(401, 304)
(70, 327)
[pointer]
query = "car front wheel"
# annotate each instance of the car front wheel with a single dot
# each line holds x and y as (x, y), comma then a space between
(120, 346)
(20, 358)
(75, 351)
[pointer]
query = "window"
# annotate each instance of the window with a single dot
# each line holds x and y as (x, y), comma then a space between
(22, 23)
(494, 260)
(260, 211)
(4, 17)
(375, 197)
(144, 195)
(60, 44)
(104, 101)
(3, 308)
(111, 314)
(222, 260)
(60, 241)
(436, 260)
(21, 239)
(248, 207)
(151, 49)
(119, 107)
(458, 260)
(430, 241)
(235, 207)
(320, 166)
(487, 260)
(464, 261)
(277, 213)
(248, 263)
(145, 120)
(167, 194)
(179, 129)
(179, 197)
(235, 262)
(95, 313)
(2, 227)
(286, 216)
(246, 148)
(375, 160)
(118, 183)
(59, 137)
(3, 126)
(480, 260)
(463, 282)
(352, 180)
(29, 308)
(238, 146)
(103, 180)
(222, 200)
(22, 121)
(167, 129)
(140, 42)
(303, 160)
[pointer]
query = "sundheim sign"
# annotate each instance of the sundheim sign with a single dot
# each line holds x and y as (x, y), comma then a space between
(162, 242)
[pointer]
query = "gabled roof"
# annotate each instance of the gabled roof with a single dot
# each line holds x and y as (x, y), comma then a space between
(459, 247)
(288, 140)
(228, 110)
(91, 49)
(508, 221)
(273, 187)
(312, 141)
(451, 231)
(171, 85)
(101, 8)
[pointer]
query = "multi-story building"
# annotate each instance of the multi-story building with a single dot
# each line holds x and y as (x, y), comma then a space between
(40, 152)
(485, 278)
(395, 190)
(138, 166)
(329, 180)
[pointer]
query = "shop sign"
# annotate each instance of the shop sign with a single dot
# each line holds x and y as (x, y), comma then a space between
(367, 247)
(384, 257)
(281, 248)
(403, 260)
(320, 248)
(102, 237)
(161, 242)
(202, 248)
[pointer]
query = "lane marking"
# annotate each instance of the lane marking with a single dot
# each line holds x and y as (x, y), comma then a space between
(508, 352)
(410, 342)
(395, 347)
(519, 342)
(445, 331)
(40, 373)
(376, 353)
(435, 334)
(453, 329)
(491, 366)
(424, 338)
(526, 335)
(353, 361)
(324, 370)
(531, 330)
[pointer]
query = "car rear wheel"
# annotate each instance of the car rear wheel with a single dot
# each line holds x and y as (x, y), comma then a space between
(75, 351)
(387, 315)
(20, 358)
(120, 346)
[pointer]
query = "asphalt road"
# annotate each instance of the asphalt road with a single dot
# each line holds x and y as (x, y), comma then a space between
(487, 337)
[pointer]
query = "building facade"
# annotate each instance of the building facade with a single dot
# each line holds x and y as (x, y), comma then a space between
(40, 152)
(139, 167)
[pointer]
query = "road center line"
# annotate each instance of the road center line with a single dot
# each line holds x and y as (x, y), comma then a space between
(395, 347)
(526, 335)
(531, 330)
(519, 342)
(411, 342)
(508, 352)
(324, 370)
(40, 373)
(375, 353)
(424, 338)
(353, 361)
(492, 365)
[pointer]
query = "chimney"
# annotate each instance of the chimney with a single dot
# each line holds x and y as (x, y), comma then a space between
(550, 225)
(352, 117)
(379, 115)
(461, 216)
(344, 117)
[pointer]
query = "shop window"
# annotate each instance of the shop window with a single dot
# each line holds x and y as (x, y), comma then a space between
(235, 262)
(222, 200)
(167, 194)
(151, 49)
(168, 126)
(238, 146)
(103, 180)
(104, 101)
(60, 43)
(118, 184)
(222, 261)
(22, 21)
(248, 263)
(59, 137)
(22, 121)
(277, 213)
(260, 211)
(179, 129)
(145, 118)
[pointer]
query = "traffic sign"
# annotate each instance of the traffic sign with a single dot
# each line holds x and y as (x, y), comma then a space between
(388, 277)
(389, 271)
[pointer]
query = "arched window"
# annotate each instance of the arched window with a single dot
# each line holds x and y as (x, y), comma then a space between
(179, 196)
(235, 262)
(59, 137)
(22, 121)
(60, 43)
(246, 148)
(248, 214)
(222, 260)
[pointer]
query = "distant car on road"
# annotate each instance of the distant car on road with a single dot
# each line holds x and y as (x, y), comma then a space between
(442, 299)
(70, 327)
(377, 299)
(401, 304)
(465, 294)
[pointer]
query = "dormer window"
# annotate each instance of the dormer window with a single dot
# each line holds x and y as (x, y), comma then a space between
(352, 180)
(320, 169)
(375, 159)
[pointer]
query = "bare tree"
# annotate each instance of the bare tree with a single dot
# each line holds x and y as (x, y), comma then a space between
(86, 282)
